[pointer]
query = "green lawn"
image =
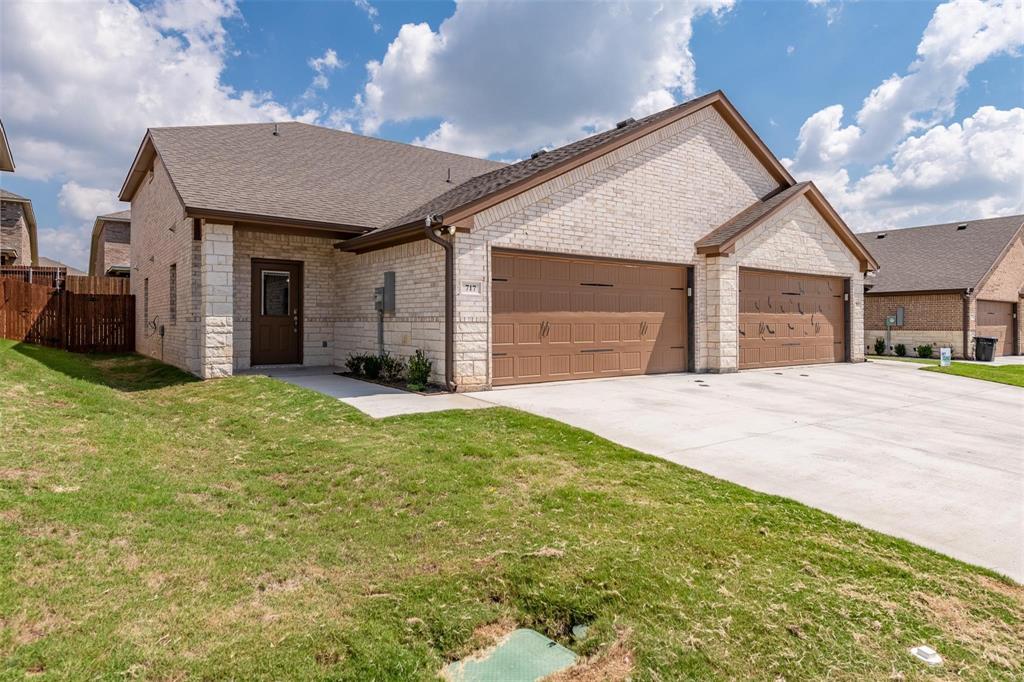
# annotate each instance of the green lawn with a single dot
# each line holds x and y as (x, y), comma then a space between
(1001, 374)
(156, 527)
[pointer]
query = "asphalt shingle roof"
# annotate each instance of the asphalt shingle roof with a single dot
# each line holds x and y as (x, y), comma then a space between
(11, 196)
(117, 215)
(500, 178)
(938, 257)
(306, 172)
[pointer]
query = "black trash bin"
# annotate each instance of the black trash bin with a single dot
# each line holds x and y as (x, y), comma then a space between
(984, 348)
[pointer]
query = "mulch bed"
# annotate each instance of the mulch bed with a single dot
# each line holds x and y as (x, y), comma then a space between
(430, 389)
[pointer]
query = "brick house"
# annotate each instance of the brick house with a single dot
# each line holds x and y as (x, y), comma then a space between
(674, 243)
(17, 219)
(17, 230)
(110, 249)
(946, 284)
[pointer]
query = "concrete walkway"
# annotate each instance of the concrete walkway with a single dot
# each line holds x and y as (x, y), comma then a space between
(373, 399)
(935, 459)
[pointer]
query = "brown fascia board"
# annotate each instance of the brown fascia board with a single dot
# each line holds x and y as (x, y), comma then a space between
(214, 215)
(140, 165)
(463, 216)
(913, 292)
(999, 259)
(6, 157)
(381, 240)
(846, 235)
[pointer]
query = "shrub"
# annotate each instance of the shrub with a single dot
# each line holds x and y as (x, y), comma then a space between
(901, 350)
(372, 366)
(354, 363)
(879, 346)
(924, 351)
(392, 369)
(419, 370)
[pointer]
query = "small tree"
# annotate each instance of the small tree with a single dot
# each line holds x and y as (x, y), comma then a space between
(924, 351)
(879, 346)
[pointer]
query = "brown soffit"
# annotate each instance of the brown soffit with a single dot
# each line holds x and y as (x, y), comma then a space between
(273, 221)
(815, 197)
(921, 292)
(381, 240)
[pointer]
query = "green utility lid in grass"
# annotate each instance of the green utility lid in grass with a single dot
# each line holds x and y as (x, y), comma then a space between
(524, 656)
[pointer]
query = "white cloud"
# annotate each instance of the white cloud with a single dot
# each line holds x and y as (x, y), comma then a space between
(322, 66)
(512, 77)
(790, 49)
(371, 13)
(85, 203)
(921, 168)
(832, 9)
(82, 82)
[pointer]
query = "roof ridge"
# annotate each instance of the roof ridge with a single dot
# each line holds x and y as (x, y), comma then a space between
(948, 224)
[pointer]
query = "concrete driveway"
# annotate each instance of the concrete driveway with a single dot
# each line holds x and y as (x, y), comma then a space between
(938, 460)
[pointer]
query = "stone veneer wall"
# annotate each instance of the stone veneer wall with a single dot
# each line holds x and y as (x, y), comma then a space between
(799, 240)
(322, 292)
(649, 200)
(162, 235)
(418, 320)
(14, 231)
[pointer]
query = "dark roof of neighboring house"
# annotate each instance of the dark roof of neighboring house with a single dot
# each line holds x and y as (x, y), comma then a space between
(939, 257)
(51, 263)
(117, 216)
(6, 159)
(303, 175)
(30, 218)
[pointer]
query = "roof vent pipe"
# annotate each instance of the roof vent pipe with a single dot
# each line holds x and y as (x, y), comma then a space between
(625, 122)
(880, 236)
(538, 153)
(962, 226)
(275, 130)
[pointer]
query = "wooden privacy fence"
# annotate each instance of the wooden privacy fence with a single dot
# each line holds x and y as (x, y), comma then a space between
(84, 284)
(83, 323)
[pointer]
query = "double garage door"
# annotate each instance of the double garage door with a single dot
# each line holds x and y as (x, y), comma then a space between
(557, 318)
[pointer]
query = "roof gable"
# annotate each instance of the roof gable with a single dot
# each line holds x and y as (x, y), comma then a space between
(939, 257)
(298, 174)
(723, 239)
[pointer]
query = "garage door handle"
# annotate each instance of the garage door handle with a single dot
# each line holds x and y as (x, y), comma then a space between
(597, 350)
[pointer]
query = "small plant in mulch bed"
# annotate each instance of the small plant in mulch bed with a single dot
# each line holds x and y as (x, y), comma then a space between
(354, 363)
(924, 351)
(392, 369)
(372, 365)
(879, 346)
(901, 350)
(419, 370)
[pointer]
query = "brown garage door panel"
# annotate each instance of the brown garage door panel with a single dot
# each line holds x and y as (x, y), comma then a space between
(995, 318)
(557, 318)
(790, 319)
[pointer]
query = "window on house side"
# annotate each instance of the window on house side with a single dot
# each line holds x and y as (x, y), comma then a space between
(172, 303)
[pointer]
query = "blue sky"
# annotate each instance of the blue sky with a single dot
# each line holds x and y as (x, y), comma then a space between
(889, 106)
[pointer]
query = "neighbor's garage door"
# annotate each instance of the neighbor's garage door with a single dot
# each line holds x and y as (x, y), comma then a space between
(790, 319)
(995, 318)
(558, 318)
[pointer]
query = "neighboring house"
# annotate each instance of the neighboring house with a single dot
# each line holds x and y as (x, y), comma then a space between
(946, 284)
(45, 262)
(110, 250)
(674, 243)
(17, 230)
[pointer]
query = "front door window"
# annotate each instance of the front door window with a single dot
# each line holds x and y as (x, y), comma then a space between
(276, 285)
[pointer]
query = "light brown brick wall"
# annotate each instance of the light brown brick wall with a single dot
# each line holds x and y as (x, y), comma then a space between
(418, 320)
(161, 235)
(113, 246)
(922, 312)
(321, 292)
(14, 231)
(1007, 280)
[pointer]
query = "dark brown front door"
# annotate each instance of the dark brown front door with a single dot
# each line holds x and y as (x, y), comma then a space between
(995, 318)
(790, 319)
(276, 312)
(559, 317)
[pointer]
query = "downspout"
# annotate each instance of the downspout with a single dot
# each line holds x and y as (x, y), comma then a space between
(433, 228)
(968, 355)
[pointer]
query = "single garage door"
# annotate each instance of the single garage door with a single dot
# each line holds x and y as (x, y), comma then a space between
(995, 318)
(557, 318)
(790, 319)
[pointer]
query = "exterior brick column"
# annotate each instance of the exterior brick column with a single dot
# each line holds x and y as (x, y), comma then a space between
(970, 325)
(216, 301)
(722, 314)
